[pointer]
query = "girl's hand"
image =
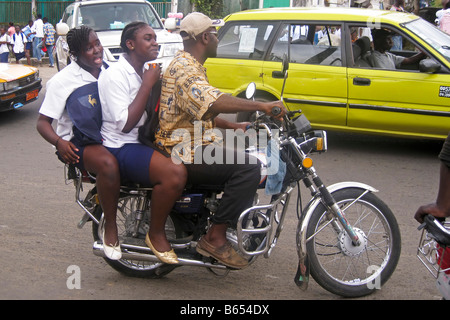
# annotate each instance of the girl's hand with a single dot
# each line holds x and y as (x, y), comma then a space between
(67, 151)
(152, 73)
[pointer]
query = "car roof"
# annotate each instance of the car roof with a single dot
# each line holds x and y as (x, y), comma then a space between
(371, 16)
(87, 2)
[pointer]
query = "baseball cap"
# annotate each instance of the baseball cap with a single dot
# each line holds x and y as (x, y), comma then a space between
(196, 22)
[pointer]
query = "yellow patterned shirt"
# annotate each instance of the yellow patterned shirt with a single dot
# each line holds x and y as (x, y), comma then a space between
(186, 96)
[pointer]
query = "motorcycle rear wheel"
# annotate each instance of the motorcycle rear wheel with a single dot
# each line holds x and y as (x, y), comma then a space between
(339, 266)
(133, 268)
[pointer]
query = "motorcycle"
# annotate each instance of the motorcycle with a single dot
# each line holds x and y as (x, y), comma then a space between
(434, 251)
(347, 238)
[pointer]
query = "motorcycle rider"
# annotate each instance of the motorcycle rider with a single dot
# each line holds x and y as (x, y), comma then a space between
(189, 104)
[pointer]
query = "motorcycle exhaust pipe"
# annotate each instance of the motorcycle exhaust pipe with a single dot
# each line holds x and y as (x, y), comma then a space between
(148, 256)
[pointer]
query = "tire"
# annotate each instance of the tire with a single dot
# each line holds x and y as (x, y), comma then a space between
(342, 268)
(125, 214)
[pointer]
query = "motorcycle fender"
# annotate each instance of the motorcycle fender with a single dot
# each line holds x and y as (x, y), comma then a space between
(312, 205)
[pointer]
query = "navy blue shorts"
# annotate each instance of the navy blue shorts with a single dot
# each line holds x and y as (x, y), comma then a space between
(134, 162)
(19, 55)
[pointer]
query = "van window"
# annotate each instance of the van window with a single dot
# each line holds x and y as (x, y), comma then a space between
(115, 16)
(246, 40)
(67, 16)
(309, 44)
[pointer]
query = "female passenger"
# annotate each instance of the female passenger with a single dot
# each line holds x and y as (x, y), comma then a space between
(64, 88)
(124, 89)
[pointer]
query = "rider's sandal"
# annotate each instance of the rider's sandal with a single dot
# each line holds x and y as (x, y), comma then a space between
(112, 252)
(169, 257)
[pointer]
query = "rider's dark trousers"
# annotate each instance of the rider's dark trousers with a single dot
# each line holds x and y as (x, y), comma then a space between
(238, 172)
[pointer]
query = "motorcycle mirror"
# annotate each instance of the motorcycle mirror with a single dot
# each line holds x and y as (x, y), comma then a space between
(250, 91)
(285, 63)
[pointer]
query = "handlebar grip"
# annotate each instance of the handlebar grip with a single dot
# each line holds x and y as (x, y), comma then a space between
(275, 111)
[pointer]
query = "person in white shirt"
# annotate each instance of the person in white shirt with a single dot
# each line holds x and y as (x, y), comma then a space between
(4, 42)
(124, 90)
(38, 29)
(382, 58)
(63, 89)
(19, 40)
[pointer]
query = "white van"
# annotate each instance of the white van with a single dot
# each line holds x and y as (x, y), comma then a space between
(108, 18)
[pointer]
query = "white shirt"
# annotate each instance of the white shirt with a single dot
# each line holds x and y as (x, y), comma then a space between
(4, 47)
(19, 42)
(385, 60)
(38, 27)
(58, 89)
(118, 86)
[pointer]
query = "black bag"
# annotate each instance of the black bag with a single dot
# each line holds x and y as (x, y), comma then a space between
(148, 129)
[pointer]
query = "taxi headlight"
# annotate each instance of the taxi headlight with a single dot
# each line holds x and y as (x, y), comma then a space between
(6, 86)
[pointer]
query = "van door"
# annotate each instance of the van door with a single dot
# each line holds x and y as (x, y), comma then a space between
(317, 80)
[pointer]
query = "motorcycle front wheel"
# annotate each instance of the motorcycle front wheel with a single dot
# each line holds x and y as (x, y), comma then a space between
(336, 263)
(126, 214)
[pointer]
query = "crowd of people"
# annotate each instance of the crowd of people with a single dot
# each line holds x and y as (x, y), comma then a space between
(36, 39)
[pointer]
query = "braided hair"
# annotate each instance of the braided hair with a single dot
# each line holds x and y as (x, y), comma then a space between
(77, 39)
(129, 32)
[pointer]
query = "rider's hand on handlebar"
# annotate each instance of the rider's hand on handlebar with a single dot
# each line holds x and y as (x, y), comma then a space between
(432, 209)
(275, 109)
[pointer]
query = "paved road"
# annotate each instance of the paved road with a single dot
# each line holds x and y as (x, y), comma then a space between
(39, 241)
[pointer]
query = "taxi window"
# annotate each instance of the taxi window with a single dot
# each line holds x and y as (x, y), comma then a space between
(246, 40)
(308, 44)
(384, 48)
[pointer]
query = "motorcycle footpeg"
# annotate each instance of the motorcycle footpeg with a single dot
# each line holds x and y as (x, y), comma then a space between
(83, 221)
(302, 276)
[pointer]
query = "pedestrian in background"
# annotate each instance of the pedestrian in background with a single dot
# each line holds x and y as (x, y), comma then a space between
(19, 40)
(29, 45)
(49, 39)
(4, 42)
(11, 29)
(38, 30)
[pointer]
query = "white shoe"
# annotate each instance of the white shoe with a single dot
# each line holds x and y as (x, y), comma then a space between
(112, 252)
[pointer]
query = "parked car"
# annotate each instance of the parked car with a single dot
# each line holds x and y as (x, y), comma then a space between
(329, 76)
(108, 18)
(19, 84)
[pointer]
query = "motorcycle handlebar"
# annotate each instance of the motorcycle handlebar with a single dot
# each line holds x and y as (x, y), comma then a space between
(275, 111)
(435, 227)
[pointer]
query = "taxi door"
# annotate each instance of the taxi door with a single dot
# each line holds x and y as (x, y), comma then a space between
(317, 79)
(403, 101)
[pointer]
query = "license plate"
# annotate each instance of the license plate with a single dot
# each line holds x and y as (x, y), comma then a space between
(32, 94)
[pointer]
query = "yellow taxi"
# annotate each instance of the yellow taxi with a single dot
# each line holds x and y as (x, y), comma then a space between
(19, 84)
(333, 76)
